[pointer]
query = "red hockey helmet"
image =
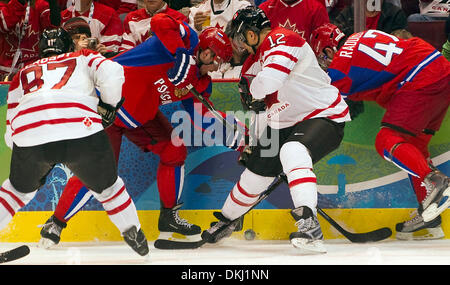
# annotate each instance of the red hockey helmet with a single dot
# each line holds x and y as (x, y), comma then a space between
(215, 39)
(327, 35)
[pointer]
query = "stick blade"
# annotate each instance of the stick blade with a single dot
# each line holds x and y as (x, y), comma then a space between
(171, 244)
(373, 236)
(14, 254)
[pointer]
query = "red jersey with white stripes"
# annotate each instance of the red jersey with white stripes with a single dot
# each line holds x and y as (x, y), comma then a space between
(291, 82)
(373, 65)
(54, 98)
(137, 25)
(301, 16)
(104, 22)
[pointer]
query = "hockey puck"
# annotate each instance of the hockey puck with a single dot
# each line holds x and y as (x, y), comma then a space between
(249, 234)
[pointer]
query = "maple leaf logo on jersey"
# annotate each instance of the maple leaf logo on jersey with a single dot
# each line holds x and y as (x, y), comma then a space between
(292, 27)
(87, 122)
(219, 26)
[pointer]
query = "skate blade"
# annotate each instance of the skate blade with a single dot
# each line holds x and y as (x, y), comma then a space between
(179, 237)
(309, 247)
(424, 234)
(46, 243)
(434, 210)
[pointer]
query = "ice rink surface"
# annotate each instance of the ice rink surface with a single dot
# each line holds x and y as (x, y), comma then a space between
(235, 262)
(242, 252)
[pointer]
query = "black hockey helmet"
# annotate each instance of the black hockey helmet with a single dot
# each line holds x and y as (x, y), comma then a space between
(248, 18)
(55, 41)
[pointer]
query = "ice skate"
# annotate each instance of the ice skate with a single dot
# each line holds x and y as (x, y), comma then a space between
(172, 227)
(51, 232)
(418, 229)
(222, 229)
(438, 192)
(309, 237)
(136, 240)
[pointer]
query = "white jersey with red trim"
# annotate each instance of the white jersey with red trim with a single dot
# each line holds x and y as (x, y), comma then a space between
(220, 14)
(55, 99)
(291, 82)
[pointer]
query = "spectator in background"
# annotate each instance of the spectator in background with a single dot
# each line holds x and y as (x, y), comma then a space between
(391, 19)
(446, 46)
(214, 13)
(178, 4)
(431, 10)
(300, 16)
(137, 26)
(122, 7)
(81, 35)
(217, 13)
(20, 27)
(104, 21)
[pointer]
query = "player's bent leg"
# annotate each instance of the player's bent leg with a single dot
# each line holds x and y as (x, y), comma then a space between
(122, 212)
(242, 197)
(297, 165)
(170, 178)
(392, 146)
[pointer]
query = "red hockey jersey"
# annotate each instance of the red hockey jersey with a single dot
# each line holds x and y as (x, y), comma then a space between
(12, 16)
(302, 16)
(373, 65)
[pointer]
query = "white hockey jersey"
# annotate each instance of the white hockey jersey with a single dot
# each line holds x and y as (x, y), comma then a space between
(221, 14)
(291, 82)
(55, 99)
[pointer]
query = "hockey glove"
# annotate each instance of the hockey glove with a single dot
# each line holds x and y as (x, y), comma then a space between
(355, 108)
(248, 102)
(185, 70)
(108, 112)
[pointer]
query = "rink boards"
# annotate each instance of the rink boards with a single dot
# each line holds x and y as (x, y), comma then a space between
(357, 188)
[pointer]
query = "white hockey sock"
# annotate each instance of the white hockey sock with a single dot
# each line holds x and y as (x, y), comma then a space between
(244, 194)
(11, 201)
(119, 206)
(297, 165)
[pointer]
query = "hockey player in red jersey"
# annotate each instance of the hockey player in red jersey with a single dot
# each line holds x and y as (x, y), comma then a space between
(410, 79)
(52, 108)
(305, 121)
(157, 72)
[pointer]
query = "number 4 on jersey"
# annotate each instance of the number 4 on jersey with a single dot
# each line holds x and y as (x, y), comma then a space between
(389, 49)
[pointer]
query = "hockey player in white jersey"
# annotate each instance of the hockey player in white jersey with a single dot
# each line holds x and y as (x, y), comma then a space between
(305, 117)
(53, 117)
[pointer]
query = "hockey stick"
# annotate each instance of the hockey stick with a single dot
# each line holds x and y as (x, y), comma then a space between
(14, 254)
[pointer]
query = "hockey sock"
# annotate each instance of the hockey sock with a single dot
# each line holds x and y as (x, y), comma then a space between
(394, 147)
(244, 194)
(11, 201)
(74, 196)
(419, 189)
(170, 184)
(297, 165)
(119, 206)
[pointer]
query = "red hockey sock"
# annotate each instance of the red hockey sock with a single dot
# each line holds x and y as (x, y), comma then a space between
(67, 198)
(170, 184)
(395, 147)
